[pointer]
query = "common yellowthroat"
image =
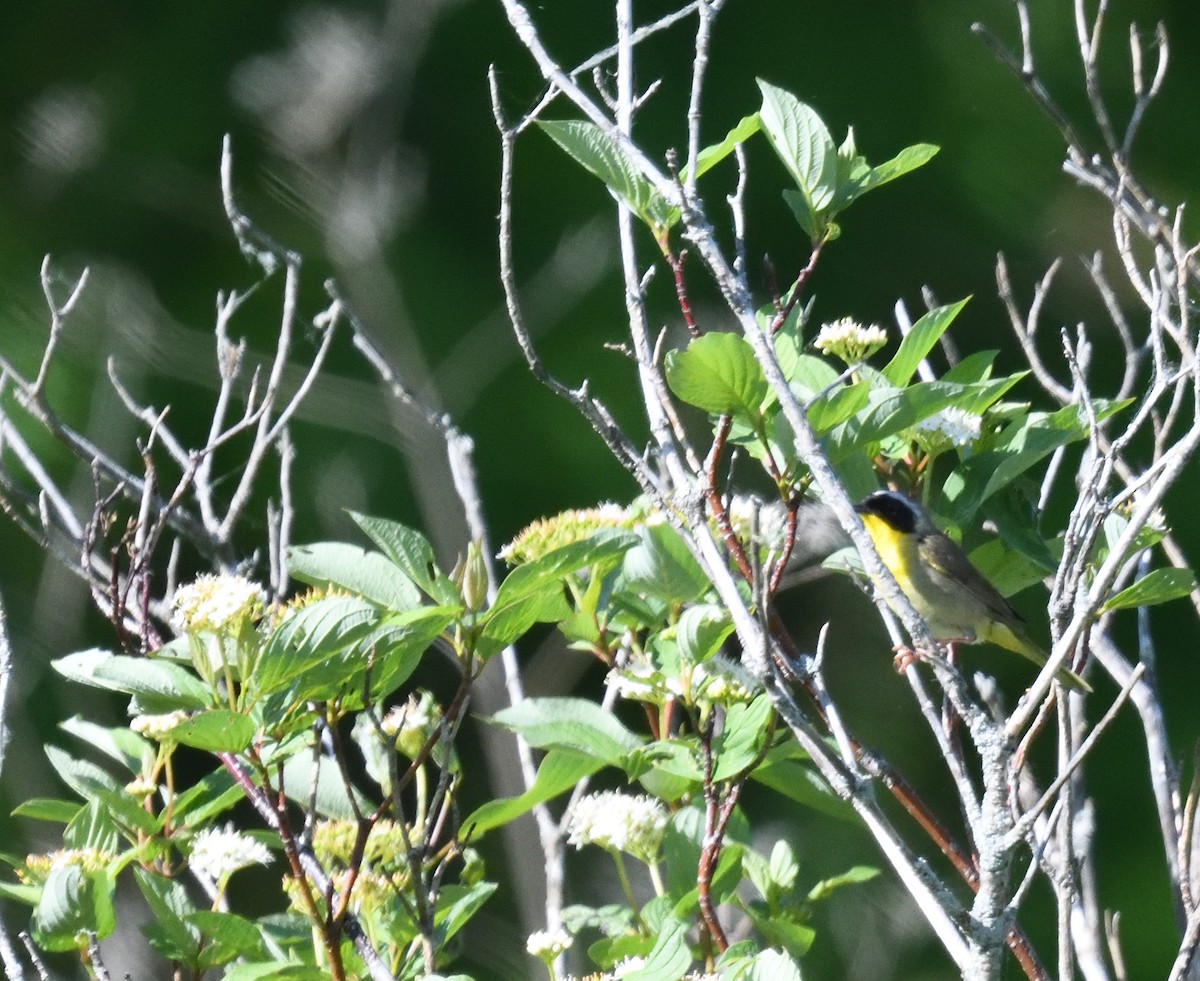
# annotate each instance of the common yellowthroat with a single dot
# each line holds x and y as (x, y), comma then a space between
(953, 597)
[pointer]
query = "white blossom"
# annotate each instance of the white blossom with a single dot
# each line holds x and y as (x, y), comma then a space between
(548, 944)
(850, 340)
(642, 682)
(216, 603)
(219, 852)
(721, 680)
(157, 727)
(954, 426)
(411, 723)
(628, 966)
(619, 822)
(140, 787)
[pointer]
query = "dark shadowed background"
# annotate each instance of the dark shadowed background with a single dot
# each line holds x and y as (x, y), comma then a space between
(363, 139)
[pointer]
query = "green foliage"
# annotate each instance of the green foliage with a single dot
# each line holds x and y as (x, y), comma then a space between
(600, 154)
(264, 699)
(250, 694)
(828, 178)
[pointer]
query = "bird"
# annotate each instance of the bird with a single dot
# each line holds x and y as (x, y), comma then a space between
(952, 596)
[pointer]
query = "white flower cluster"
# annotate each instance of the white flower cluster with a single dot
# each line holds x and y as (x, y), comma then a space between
(216, 603)
(219, 852)
(411, 723)
(140, 787)
(954, 426)
(641, 682)
(413, 714)
(619, 823)
(548, 944)
(850, 340)
(721, 680)
(157, 727)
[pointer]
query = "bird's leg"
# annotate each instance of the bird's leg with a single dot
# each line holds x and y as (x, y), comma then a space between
(905, 656)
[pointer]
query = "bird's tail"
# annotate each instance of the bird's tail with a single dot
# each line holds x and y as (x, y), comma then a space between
(1009, 639)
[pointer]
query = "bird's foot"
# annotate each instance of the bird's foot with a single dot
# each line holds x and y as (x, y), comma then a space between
(905, 656)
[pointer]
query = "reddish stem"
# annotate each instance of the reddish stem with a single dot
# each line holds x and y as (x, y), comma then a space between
(685, 306)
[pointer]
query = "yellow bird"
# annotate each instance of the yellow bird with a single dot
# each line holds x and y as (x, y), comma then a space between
(953, 597)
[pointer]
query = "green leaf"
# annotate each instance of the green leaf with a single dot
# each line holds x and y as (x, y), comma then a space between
(572, 724)
(710, 156)
(366, 574)
(794, 778)
(1019, 446)
(973, 368)
(73, 903)
(121, 744)
(160, 685)
(773, 965)
(208, 797)
(678, 758)
(391, 650)
(610, 950)
(228, 935)
(681, 853)
(859, 178)
(456, 905)
(412, 554)
(1157, 586)
(780, 964)
(919, 341)
(28, 895)
(661, 566)
(81, 776)
(309, 637)
(718, 372)
(169, 933)
(533, 592)
(216, 731)
(599, 154)
(702, 630)
(674, 771)
(738, 744)
(890, 411)
(557, 564)
(904, 162)
(836, 406)
(809, 376)
(96, 825)
(505, 624)
(559, 771)
(858, 874)
(670, 957)
(1014, 514)
(811, 223)
(47, 809)
(783, 866)
(1006, 568)
(802, 143)
(397, 645)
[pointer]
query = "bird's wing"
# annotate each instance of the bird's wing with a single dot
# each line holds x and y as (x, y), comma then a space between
(948, 560)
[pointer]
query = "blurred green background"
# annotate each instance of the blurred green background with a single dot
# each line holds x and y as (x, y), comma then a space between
(363, 139)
